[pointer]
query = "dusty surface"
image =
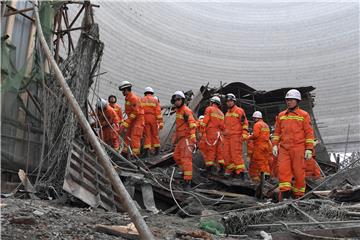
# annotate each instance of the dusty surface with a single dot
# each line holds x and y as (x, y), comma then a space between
(55, 221)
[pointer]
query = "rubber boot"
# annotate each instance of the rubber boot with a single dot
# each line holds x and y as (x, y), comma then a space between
(213, 170)
(221, 171)
(281, 196)
(146, 153)
(157, 151)
(187, 185)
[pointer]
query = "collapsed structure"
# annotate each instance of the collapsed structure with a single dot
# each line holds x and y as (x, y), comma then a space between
(69, 162)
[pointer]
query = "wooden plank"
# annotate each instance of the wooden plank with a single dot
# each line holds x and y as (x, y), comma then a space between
(27, 184)
(128, 232)
(226, 194)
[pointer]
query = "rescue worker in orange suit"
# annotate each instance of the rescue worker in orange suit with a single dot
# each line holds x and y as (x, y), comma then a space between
(109, 123)
(202, 143)
(212, 127)
(295, 135)
(184, 138)
(134, 124)
(236, 131)
(250, 149)
(153, 122)
(112, 102)
(259, 162)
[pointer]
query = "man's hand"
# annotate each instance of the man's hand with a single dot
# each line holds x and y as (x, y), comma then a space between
(193, 140)
(308, 154)
(245, 136)
(161, 126)
(275, 151)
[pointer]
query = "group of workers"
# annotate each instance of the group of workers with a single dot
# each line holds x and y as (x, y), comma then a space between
(288, 155)
(143, 121)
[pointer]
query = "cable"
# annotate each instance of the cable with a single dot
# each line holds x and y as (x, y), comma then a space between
(172, 194)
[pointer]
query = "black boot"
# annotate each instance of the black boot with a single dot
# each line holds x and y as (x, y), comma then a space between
(281, 196)
(187, 185)
(207, 172)
(242, 176)
(157, 151)
(146, 153)
(213, 170)
(221, 171)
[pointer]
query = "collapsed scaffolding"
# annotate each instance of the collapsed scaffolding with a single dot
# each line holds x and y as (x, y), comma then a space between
(77, 168)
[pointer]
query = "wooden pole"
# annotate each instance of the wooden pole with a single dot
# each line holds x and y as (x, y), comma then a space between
(104, 159)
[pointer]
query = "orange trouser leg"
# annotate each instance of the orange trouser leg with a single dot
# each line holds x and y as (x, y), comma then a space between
(284, 170)
(147, 135)
(298, 169)
(291, 164)
(260, 157)
(236, 154)
(254, 170)
(274, 170)
(177, 155)
(210, 146)
(229, 166)
(110, 137)
(183, 157)
(135, 132)
(155, 140)
(219, 153)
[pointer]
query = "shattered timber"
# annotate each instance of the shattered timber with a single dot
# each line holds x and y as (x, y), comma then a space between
(59, 181)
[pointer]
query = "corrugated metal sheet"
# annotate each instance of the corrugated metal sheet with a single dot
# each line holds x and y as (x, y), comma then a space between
(172, 46)
(20, 139)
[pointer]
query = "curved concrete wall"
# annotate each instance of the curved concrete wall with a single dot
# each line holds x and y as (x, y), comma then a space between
(172, 46)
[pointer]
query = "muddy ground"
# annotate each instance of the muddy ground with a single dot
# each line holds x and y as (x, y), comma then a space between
(57, 221)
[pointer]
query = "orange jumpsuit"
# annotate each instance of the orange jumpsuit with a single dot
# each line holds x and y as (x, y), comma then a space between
(294, 134)
(236, 124)
(153, 121)
(202, 144)
(185, 138)
(118, 110)
(261, 152)
(212, 127)
(109, 123)
(134, 123)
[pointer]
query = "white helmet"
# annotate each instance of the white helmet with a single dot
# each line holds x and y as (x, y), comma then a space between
(124, 84)
(201, 117)
(216, 100)
(101, 103)
(179, 94)
(293, 94)
(149, 90)
(230, 96)
(257, 114)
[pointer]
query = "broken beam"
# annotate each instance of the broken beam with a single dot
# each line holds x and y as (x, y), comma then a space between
(15, 11)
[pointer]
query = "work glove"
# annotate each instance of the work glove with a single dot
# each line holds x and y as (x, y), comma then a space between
(308, 154)
(245, 136)
(275, 151)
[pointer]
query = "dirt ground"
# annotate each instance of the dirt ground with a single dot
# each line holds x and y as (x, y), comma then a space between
(55, 221)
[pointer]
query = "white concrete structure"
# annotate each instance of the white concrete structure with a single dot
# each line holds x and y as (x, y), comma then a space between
(171, 46)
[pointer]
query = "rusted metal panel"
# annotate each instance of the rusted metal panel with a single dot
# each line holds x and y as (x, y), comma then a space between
(85, 179)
